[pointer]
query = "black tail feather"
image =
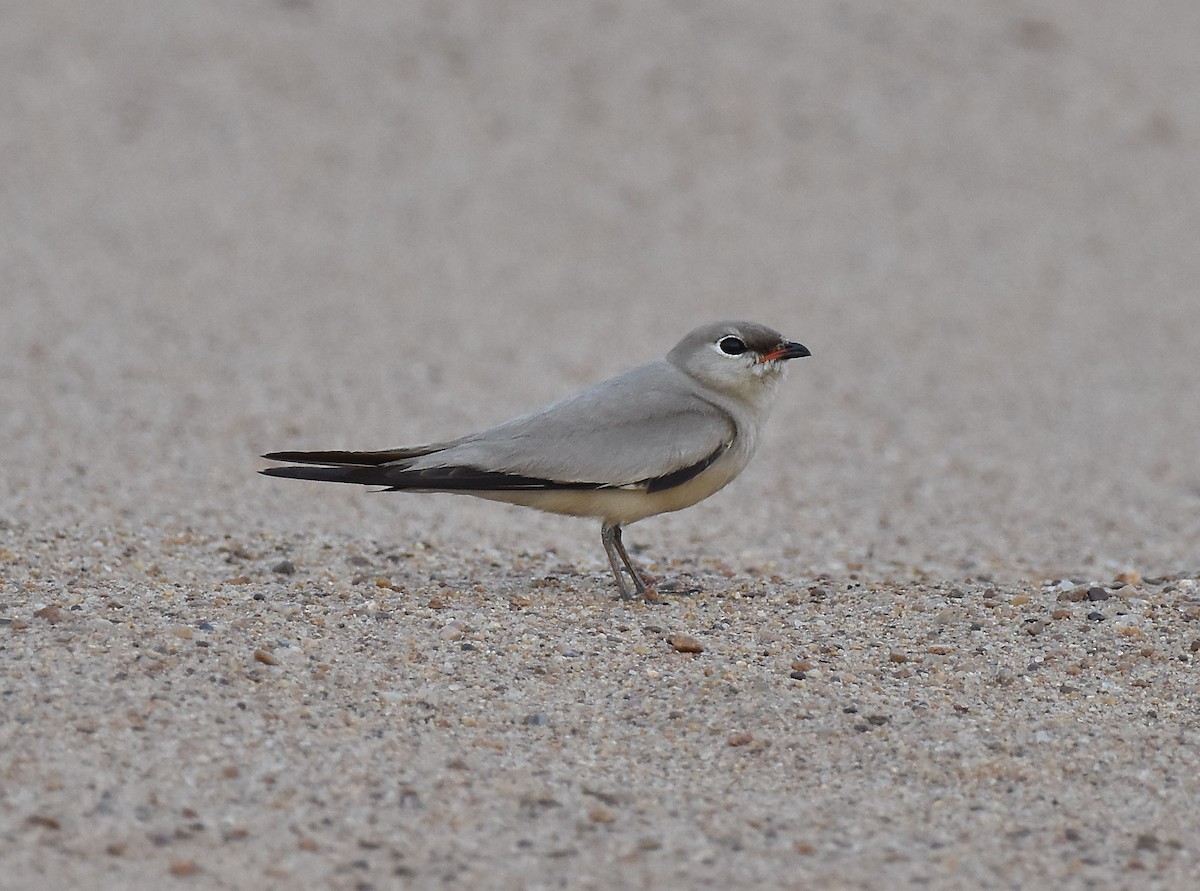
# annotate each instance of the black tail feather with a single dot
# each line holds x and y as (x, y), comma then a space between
(431, 479)
(358, 459)
(363, 476)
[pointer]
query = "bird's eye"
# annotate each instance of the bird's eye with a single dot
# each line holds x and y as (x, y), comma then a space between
(731, 346)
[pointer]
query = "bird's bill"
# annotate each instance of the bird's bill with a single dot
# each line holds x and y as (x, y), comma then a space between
(789, 350)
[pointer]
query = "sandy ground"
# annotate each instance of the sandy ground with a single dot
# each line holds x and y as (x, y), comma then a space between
(949, 618)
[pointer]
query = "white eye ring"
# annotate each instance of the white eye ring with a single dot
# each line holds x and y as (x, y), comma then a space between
(731, 345)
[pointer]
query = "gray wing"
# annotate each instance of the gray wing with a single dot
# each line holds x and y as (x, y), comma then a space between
(648, 426)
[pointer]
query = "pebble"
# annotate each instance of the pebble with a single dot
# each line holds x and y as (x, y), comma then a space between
(265, 658)
(52, 613)
(685, 643)
(284, 567)
(601, 814)
(184, 868)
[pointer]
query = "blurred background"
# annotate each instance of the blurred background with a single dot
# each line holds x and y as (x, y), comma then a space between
(236, 227)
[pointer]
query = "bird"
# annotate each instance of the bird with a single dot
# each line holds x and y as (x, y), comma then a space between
(657, 438)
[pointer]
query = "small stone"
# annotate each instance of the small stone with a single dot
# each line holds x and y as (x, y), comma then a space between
(897, 657)
(184, 868)
(1147, 841)
(238, 580)
(685, 643)
(1095, 617)
(1195, 645)
(740, 739)
(802, 665)
(600, 814)
(451, 631)
(798, 676)
(1130, 577)
(52, 613)
(1097, 593)
(284, 567)
(265, 658)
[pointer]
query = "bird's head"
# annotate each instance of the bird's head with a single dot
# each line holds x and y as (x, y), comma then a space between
(741, 359)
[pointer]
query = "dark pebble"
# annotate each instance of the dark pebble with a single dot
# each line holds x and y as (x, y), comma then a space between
(1095, 617)
(1097, 593)
(259, 595)
(284, 567)
(797, 675)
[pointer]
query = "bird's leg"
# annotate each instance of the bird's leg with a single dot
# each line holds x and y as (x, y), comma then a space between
(610, 534)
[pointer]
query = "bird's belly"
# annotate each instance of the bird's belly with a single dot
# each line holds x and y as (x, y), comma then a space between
(624, 505)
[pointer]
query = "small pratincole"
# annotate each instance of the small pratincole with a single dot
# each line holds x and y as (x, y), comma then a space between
(658, 438)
